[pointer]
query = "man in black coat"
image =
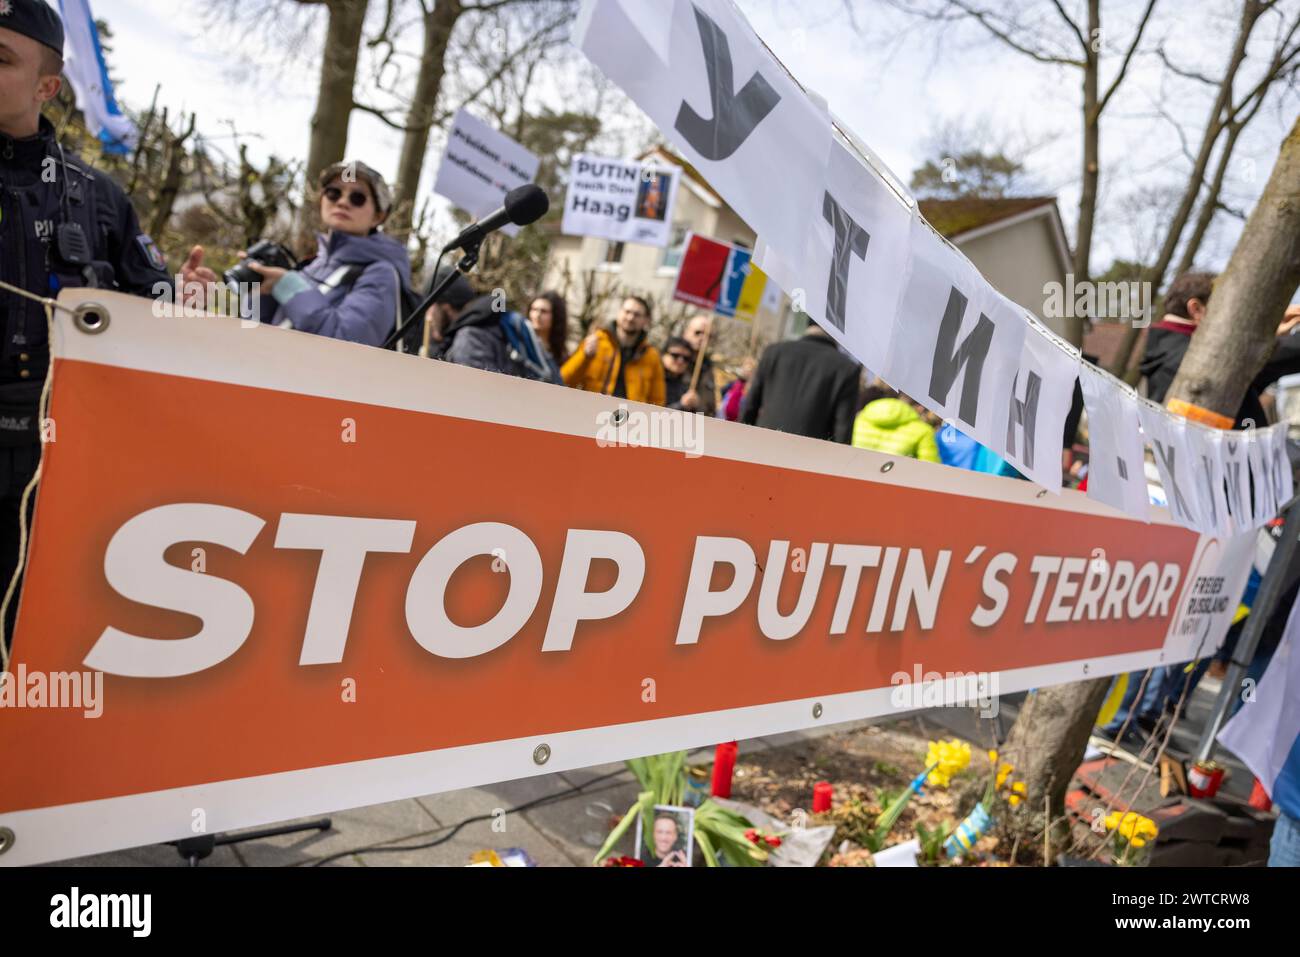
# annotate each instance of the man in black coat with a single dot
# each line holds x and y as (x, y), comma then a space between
(805, 386)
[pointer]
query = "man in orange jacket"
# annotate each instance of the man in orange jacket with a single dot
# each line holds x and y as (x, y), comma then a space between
(618, 361)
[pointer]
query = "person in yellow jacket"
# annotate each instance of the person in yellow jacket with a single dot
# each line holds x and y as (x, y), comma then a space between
(892, 425)
(618, 361)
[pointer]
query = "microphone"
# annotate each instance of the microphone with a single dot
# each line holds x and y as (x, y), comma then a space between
(523, 205)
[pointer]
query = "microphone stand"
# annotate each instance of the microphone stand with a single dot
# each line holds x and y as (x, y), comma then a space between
(467, 262)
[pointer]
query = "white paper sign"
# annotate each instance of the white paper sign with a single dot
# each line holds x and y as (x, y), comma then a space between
(957, 344)
(1173, 460)
(1207, 467)
(620, 200)
(859, 244)
(1041, 394)
(1285, 477)
(1116, 462)
(1236, 475)
(725, 103)
(480, 166)
(1261, 495)
(1270, 470)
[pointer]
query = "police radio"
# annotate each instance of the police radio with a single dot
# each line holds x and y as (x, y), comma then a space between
(69, 238)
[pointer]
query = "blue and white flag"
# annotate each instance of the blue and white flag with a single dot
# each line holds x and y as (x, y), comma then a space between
(1265, 733)
(84, 67)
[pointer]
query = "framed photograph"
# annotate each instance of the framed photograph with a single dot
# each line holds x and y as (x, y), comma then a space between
(668, 839)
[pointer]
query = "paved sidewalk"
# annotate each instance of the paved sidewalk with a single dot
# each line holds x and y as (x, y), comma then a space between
(565, 815)
(564, 823)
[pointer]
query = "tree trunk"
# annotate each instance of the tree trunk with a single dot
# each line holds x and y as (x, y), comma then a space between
(438, 27)
(338, 73)
(1045, 746)
(1238, 334)
(1250, 12)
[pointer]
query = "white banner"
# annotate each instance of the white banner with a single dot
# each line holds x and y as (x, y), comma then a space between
(706, 80)
(830, 222)
(1041, 395)
(1236, 477)
(1207, 465)
(1166, 432)
(1261, 489)
(620, 200)
(480, 166)
(959, 344)
(859, 243)
(1116, 461)
(1279, 472)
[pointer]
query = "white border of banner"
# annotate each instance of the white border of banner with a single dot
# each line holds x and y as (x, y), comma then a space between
(225, 350)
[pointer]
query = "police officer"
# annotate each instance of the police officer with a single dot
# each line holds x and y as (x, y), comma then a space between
(61, 224)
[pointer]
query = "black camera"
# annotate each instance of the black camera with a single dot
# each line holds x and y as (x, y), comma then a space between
(265, 252)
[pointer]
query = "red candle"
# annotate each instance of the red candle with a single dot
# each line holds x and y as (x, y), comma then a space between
(724, 764)
(822, 797)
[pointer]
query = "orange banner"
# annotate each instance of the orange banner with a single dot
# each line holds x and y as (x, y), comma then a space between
(314, 575)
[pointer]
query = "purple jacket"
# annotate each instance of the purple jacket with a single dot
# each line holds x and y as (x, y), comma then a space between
(365, 310)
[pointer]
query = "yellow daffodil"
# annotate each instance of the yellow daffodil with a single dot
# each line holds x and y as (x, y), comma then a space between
(948, 758)
(1132, 825)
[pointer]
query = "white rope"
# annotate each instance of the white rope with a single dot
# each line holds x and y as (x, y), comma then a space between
(42, 416)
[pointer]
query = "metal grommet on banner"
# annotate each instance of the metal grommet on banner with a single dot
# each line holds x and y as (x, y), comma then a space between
(887, 466)
(1041, 493)
(620, 415)
(817, 710)
(91, 318)
(541, 754)
(6, 839)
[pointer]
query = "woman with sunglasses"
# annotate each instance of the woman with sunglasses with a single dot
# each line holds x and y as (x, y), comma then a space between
(679, 363)
(353, 288)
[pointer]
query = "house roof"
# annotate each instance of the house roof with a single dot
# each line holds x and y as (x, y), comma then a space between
(952, 217)
(962, 220)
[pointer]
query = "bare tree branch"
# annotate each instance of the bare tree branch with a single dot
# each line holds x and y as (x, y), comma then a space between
(1128, 57)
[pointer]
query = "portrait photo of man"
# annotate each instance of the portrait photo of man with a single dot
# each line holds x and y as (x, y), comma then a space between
(670, 837)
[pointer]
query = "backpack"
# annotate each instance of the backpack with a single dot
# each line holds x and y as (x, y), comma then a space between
(408, 301)
(527, 351)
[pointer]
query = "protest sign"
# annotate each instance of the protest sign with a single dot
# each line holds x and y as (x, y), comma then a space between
(720, 277)
(620, 200)
(279, 632)
(480, 166)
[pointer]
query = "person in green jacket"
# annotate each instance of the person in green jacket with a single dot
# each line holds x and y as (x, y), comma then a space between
(891, 425)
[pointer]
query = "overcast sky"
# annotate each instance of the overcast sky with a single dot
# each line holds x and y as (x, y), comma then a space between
(894, 79)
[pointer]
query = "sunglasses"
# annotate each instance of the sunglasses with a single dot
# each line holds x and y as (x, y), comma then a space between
(679, 355)
(356, 197)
